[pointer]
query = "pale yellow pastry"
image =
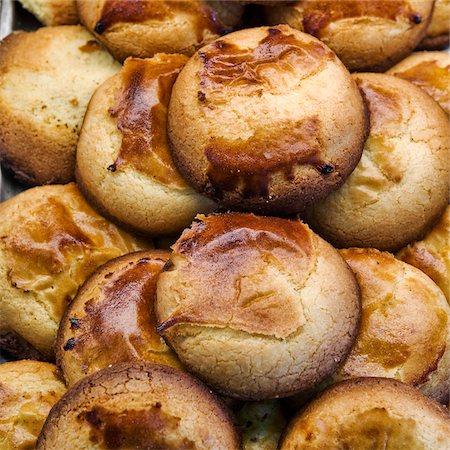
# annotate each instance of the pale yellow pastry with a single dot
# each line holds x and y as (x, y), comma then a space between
(124, 165)
(438, 32)
(432, 254)
(405, 325)
(430, 71)
(28, 390)
(367, 35)
(367, 414)
(400, 187)
(266, 120)
(146, 27)
(139, 406)
(53, 12)
(112, 318)
(258, 307)
(47, 78)
(51, 240)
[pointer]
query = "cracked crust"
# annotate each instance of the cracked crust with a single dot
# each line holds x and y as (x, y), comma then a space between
(139, 405)
(143, 29)
(366, 35)
(400, 187)
(260, 135)
(28, 390)
(430, 71)
(405, 325)
(437, 36)
(258, 307)
(111, 319)
(368, 413)
(124, 166)
(41, 119)
(51, 240)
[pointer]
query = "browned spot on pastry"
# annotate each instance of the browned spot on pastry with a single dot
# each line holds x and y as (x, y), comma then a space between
(251, 163)
(432, 78)
(90, 46)
(239, 256)
(119, 11)
(145, 428)
(141, 115)
(251, 71)
(319, 14)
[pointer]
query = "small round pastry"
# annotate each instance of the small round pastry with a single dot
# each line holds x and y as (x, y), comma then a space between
(47, 78)
(367, 35)
(438, 32)
(143, 28)
(256, 121)
(432, 254)
(430, 71)
(367, 414)
(124, 166)
(400, 187)
(112, 318)
(258, 307)
(53, 12)
(139, 406)
(405, 325)
(51, 240)
(28, 390)
(261, 424)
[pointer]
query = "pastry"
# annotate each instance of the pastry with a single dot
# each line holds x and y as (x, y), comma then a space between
(400, 187)
(432, 254)
(139, 406)
(438, 32)
(51, 240)
(143, 28)
(46, 80)
(367, 35)
(28, 389)
(430, 71)
(53, 12)
(124, 165)
(111, 319)
(266, 120)
(258, 307)
(405, 325)
(370, 413)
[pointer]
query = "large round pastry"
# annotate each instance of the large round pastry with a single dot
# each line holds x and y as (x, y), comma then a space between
(367, 35)
(144, 28)
(47, 78)
(367, 414)
(112, 318)
(266, 119)
(124, 165)
(51, 240)
(28, 390)
(139, 406)
(400, 187)
(405, 325)
(258, 307)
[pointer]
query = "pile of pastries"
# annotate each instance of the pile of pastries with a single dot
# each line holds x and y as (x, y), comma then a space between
(235, 232)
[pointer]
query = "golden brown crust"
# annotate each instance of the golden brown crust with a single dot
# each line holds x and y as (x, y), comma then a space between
(39, 128)
(28, 389)
(432, 254)
(369, 413)
(405, 325)
(366, 35)
(111, 319)
(51, 241)
(400, 187)
(145, 28)
(139, 405)
(430, 71)
(53, 12)
(251, 333)
(437, 37)
(227, 144)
